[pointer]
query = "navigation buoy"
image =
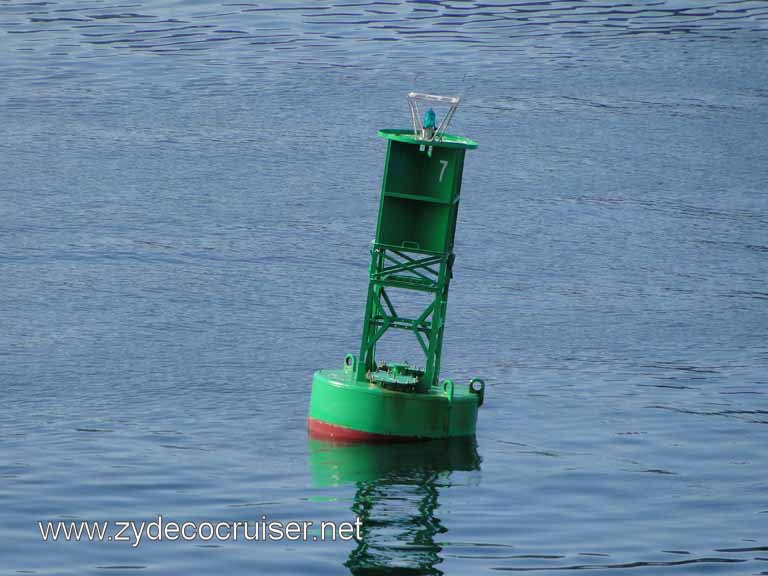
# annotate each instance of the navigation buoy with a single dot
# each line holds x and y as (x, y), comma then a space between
(412, 251)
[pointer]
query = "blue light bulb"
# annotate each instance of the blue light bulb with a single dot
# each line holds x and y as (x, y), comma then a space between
(430, 119)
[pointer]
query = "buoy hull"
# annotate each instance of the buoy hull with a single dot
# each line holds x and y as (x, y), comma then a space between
(345, 409)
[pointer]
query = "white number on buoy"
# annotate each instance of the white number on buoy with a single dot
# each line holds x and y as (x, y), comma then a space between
(442, 170)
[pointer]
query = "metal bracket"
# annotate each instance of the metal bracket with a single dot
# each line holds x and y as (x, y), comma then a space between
(414, 100)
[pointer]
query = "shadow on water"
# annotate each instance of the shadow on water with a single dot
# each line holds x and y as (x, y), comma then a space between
(396, 498)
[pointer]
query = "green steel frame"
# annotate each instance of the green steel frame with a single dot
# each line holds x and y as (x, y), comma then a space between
(400, 269)
(413, 249)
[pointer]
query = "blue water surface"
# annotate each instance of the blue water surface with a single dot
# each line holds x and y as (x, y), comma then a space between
(188, 191)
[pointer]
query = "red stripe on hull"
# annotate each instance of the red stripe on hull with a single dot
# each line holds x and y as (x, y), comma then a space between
(324, 431)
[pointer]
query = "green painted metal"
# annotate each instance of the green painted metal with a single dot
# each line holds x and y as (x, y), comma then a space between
(412, 251)
(341, 399)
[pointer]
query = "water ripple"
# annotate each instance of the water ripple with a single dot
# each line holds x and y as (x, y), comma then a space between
(64, 28)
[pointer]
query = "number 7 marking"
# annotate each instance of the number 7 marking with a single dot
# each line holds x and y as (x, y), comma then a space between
(442, 170)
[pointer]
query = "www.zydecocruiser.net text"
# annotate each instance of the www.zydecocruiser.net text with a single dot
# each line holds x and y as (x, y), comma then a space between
(162, 530)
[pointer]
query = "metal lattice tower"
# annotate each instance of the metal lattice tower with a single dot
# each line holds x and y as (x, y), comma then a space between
(413, 248)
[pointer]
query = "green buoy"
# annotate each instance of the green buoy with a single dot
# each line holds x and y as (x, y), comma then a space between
(412, 251)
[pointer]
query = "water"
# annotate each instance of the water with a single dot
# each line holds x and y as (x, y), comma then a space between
(187, 195)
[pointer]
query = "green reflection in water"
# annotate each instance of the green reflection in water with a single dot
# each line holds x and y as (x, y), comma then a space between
(396, 498)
